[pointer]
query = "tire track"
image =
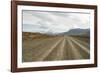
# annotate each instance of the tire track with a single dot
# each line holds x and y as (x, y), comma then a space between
(82, 42)
(31, 54)
(74, 50)
(58, 52)
(42, 56)
(81, 45)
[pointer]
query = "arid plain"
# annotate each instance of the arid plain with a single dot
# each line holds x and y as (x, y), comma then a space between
(41, 47)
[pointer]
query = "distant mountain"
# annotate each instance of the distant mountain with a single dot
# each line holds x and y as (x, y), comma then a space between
(77, 32)
(86, 33)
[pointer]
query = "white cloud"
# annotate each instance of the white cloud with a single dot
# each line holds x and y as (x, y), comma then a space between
(54, 22)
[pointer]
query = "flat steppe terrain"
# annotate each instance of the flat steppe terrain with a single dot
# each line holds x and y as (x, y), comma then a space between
(41, 47)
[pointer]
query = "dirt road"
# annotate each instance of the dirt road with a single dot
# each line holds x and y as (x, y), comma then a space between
(56, 48)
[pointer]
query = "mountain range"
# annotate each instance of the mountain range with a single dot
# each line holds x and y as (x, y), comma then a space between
(77, 31)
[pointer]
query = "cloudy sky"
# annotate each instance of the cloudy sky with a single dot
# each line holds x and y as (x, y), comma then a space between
(54, 22)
